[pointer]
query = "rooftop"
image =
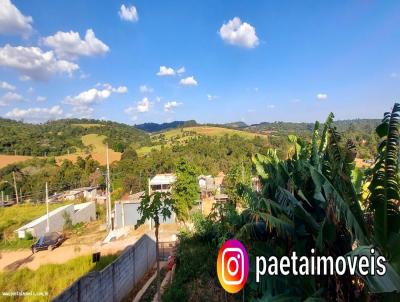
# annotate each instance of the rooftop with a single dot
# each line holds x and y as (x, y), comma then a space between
(163, 179)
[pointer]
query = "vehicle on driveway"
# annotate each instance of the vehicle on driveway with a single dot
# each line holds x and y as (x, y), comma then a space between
(48, 241)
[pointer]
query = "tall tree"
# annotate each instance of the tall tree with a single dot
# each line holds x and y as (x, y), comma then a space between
(155, 206)
(185, 190)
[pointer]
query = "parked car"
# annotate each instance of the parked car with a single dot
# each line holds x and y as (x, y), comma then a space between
(48, 241)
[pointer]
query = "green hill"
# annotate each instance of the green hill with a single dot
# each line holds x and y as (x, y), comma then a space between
(64, 136)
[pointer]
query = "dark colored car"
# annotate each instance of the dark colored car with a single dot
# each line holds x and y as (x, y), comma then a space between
(48, 241)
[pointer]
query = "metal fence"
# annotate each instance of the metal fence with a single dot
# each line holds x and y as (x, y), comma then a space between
(165, 249)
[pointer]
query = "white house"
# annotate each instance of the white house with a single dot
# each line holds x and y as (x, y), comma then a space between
(162, 183)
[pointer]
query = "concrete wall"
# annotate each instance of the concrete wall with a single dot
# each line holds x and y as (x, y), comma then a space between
(115, 281)
(132, 215)
(56, 222)
(84, 212)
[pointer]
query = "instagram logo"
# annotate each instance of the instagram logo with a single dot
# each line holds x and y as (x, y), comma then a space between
(232, 266)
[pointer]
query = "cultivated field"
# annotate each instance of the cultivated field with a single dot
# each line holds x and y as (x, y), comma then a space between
(10, 159)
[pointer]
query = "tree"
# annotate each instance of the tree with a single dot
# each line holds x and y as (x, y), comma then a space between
(129, 154)
(185, 190)
(155, 206)
(237, 177)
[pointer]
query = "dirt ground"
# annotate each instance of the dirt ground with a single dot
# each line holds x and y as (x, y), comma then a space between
(74, 247)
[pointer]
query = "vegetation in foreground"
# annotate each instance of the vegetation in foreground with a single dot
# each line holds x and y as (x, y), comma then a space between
(49, 278)
(312, 199)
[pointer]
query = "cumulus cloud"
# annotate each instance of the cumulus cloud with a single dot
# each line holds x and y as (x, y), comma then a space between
(145, 89)
(70, 45)
(211, 97)
(6, 86)
(94, 95)
(41, 98)
(82, 111)
(143, 105)
(10, 97)
(140, 107)
(166, 71)
(33, 63)
(239, 33)
(36, 114)
(12, 21)
(322, 96)
(181, 70)
(189, 81)
(170, 106)
(128, 13)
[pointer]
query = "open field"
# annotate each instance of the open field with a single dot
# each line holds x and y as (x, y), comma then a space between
(94, 141)
(209, 130)
(10, 159)
(183, 134)
(87, 125)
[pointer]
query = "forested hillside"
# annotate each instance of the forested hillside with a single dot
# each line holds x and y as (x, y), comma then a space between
(64, 136)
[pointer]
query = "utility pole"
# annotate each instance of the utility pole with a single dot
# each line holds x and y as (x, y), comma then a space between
(47, 207)
(108, 190)
(15, 187)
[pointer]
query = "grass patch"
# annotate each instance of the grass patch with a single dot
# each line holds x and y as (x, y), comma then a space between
(50, 278)
(16, 244)
(11, 218)
(87, 126)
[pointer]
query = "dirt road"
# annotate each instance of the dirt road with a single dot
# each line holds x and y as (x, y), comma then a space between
(70, 249)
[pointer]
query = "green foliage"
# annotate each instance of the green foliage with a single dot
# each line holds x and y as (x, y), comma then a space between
(185, 189)
(32, 175)
(64, 136)
(155, 206)
(67, 221)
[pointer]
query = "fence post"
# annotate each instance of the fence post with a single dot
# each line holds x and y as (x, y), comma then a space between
(133, 265)
(113, 283)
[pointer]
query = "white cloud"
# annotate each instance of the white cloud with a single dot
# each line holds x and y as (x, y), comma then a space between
(41, 98)
(36, 114)
(189, 81)
(211, 97)
(33, 63)
(145, 89)
(394, 75)
(166, 71)
(6, 86)
(140, 107)
(10, 97)
(239, 33)
(170, 106)
(83, 111)
(70, 45)
(181, 70)
(271, 106)
(128, 13)
(94, 95)
(12, 21)
(143, 105)
(322, 96)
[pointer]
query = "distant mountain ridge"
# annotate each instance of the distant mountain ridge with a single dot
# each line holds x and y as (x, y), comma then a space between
(155, 127)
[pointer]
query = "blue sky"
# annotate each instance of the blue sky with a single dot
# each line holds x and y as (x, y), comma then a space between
(251, 61)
